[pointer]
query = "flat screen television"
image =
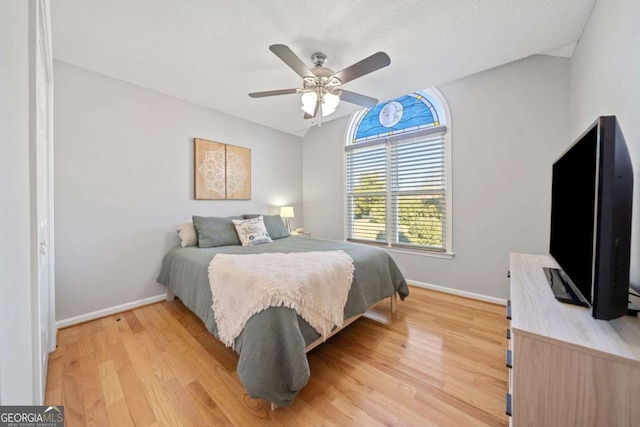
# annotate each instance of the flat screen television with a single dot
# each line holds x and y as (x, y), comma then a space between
(591, 205)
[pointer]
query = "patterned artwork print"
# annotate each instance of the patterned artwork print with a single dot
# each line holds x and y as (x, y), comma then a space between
(213, 171)
(407, 113)
(222, 171)
(238, 171)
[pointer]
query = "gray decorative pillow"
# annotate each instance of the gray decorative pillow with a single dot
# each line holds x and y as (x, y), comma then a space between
(252, 231)
(215, 231)
(274, 225)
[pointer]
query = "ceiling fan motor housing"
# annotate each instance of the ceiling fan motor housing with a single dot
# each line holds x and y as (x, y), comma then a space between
(323, 74)
(318, 59)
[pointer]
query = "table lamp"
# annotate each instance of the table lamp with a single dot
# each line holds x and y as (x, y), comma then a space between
(286, 212)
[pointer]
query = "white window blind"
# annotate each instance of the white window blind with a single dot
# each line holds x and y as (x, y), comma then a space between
(367, 192)
(396, 191)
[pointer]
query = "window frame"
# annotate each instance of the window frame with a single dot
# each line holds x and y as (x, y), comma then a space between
(398, 247)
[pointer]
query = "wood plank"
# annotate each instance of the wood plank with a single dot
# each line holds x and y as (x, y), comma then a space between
(352, 406)
(134, 395)
(159, 400)
(185, 408)
(67, 336)
(113, 327)
(206, 404)
(565, 391)
(102, 347)
(152, 354)
(74, 413)
(133, 322)
(119, 414)
(182, 365)
(439, 360)
(95, 410)
(158, 338)
(111, 388)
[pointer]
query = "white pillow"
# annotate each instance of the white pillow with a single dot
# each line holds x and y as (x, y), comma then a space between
(252, 231)
(187, 234)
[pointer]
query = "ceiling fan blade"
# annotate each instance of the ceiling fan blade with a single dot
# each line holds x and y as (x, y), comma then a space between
(291, 59)
(356, 98)
(368, 65)
(273, 93)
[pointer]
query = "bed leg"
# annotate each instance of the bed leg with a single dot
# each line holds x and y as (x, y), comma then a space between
(170, 295)
(274, 406)
(394, 302)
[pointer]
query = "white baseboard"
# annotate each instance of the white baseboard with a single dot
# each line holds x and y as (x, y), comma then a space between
(109, 311)
(458, 292)
(146, 301)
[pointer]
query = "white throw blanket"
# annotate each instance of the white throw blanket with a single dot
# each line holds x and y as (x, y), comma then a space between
(315, 284)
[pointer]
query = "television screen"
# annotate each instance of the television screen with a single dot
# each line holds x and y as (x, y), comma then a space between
(591, 208)
(573, 211)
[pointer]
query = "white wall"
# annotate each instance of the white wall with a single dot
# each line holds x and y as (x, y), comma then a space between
(124, 180)
(605, 80)
(16, 347)
(508, 126)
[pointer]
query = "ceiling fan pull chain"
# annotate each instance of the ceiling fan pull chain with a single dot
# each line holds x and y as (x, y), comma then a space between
(320, 106)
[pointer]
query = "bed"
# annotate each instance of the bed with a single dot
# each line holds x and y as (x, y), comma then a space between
(272, 348)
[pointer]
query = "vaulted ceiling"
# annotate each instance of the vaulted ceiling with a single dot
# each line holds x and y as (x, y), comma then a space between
(214, 52)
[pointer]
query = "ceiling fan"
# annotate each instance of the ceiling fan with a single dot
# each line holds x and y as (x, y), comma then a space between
(320, 84)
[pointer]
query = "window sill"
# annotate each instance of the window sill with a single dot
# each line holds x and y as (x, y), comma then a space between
(407, 251)
(441, 255)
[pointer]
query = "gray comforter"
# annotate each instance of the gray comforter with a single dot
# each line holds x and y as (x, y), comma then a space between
(273, 363)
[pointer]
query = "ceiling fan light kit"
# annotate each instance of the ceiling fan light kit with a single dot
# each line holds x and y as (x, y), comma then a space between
(328, 105)
(319, 90)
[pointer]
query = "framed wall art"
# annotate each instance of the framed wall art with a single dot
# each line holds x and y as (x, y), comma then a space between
(221, 171)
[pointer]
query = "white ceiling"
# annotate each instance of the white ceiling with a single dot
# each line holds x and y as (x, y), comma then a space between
(214, 52)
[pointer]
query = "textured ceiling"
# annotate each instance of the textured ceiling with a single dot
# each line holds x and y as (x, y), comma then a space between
(214, 52)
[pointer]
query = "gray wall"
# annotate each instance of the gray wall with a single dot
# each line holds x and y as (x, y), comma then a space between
(323, 179)
(605, 80)
(16, 347)
(124, 180)
(508, 126)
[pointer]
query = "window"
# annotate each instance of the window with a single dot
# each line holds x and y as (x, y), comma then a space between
(397, 174)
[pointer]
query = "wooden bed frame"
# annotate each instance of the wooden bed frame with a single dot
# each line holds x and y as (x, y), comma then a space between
(394, 306)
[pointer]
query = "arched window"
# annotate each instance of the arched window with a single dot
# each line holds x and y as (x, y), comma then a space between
(398, 169)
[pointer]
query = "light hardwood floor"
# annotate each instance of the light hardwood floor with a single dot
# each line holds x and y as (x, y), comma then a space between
(439, 360)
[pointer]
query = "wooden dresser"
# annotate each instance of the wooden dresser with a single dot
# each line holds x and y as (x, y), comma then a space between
(568, 369)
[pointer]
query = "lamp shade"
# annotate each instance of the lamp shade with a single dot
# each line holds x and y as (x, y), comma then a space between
(286, 212)
(309, 102)
(329, 103)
